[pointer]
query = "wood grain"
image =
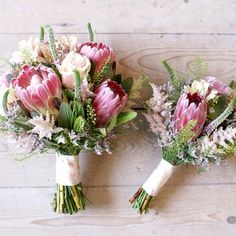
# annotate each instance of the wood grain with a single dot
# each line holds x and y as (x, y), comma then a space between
(135, 55)
(150, 16)
(142, 33)
(178, 209)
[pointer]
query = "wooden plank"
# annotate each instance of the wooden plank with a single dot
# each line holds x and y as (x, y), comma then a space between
(134, 54)
(155, 16)
(179, 210)
(135, 155)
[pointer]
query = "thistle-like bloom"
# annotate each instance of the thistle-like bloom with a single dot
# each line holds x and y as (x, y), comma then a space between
(190, 107)
(109, 99)
(99, 53)
(218, 85)
(37, 87)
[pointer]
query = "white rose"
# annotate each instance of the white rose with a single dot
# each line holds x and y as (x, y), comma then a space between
(71, 62)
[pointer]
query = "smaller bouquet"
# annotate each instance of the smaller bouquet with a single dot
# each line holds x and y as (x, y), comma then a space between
(65, 95)
(193, 117)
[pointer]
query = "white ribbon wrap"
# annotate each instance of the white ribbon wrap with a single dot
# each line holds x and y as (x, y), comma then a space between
(158, 178)
(67, 170)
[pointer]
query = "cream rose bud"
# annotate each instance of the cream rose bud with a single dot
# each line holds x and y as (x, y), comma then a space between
(73, 61)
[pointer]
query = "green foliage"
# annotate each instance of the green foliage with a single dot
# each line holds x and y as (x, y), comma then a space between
(77, 109)
(229, 149)
(220, 119)
(51, 42)
(105, 71)
(90, 113)
(65, 117)
(112, 123)
(177, 81)
(4, 101)
(172, 153)
(118, 78)
(103, 131)
(68, 94)
(77, 83)
(197, 69)
(127, 84)
(216, 107)
(124, 117)
(91, 34)
(79, 124)
(136, 90)
(41, 34)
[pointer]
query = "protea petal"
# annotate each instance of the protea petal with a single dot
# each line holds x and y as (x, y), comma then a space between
(109, 99)
(96, 52)
(190, 107)
(37, 87)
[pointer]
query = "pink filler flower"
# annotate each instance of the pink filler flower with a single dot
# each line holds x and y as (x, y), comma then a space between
(218, 85)
(109, 99)
(37, 87)
(190, 107)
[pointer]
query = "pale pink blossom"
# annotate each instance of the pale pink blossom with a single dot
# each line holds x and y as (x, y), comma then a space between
(190, 107)
(218, 85)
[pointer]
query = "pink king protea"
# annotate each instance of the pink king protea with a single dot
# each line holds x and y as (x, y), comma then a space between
(190, 107)
(37, 87)
(109, 99)
(97, 52)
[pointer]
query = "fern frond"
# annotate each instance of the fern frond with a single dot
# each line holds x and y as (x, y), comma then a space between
(176, 80)
(136, 90)
(197, 69)
(105, 69)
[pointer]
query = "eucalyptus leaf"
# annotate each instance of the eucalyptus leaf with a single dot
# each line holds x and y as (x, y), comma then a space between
(112, 123)
(124, 117)
(103, 131)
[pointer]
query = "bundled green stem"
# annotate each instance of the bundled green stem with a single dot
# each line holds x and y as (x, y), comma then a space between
(68, 199)
(141, 201)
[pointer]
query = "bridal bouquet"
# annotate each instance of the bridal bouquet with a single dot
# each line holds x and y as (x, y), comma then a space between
(64, 95)
(193, 117)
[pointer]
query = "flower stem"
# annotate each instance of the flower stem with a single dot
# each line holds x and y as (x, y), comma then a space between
(141, 201)
(68, 199)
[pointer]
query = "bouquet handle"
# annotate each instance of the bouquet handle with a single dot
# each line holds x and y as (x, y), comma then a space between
(69, 196)
(143, 198)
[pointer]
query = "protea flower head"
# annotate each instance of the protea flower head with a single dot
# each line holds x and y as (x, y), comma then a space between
(218, 86)
(109, 99)
(190, 107)
(99, 53)
(36, 88)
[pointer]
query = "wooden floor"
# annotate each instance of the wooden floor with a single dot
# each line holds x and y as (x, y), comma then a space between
(142, 33)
